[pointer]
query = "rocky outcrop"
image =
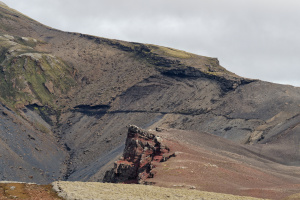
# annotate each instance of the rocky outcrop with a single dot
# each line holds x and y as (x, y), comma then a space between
(142, 151)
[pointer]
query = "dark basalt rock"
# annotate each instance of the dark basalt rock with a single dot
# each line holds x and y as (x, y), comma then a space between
(142, 151)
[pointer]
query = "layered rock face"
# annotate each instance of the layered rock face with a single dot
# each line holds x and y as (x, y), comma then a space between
(142, 151)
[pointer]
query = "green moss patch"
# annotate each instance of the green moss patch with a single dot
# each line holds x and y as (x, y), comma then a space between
(170, 52)
(27, 76)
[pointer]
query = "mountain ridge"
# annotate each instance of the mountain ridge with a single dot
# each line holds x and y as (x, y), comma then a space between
(108, 84)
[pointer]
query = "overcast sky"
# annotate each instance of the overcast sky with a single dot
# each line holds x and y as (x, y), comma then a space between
(252, 38)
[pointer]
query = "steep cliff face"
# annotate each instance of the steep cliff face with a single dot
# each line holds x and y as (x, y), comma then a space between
(142, 151)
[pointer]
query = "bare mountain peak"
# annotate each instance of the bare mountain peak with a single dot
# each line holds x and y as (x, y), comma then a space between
(3, 4)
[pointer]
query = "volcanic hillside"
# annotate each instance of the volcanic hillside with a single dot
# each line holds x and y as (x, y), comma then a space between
(66, 98)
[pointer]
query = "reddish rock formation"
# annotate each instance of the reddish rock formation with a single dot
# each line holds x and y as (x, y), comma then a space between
(142, 151)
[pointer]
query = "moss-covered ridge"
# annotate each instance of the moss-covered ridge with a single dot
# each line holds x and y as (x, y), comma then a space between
(28, 76)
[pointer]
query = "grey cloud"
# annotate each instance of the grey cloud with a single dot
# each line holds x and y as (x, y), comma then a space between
(253, 38)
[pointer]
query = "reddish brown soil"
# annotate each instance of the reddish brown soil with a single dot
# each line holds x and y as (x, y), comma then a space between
(209, 163)
(27, 191)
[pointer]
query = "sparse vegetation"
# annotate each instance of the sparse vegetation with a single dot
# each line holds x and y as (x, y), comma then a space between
(25, 73)
(157, 87)
(41, 127)
(27, 191)
(70, 190)
(170, 52)
(293, 197)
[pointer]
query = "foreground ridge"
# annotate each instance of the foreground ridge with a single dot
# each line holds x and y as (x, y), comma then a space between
(90, 190)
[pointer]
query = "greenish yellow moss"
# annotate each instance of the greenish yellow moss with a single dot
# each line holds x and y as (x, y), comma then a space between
(31, 42)
(170, 52)
(24, 73)
(212, 73)
(41, 127)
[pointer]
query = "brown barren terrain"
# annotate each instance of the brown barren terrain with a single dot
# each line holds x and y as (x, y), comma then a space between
(13, 190)
(210, 163)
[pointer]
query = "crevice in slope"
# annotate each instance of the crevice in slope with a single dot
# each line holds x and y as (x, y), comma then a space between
(103, 112)
(68, 172)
